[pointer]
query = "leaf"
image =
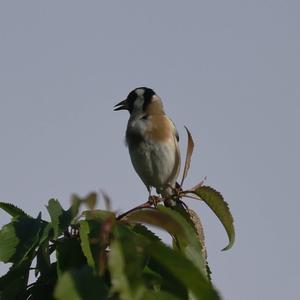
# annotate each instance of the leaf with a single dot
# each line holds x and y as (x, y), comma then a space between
(56, 212)
(98, 214)
(178, 227)
(9, 242)
(13, 283)
(199, 229)
(107, 200)
(69, 255)
(183, 270)
(200, 233)
(43, 259)
(143, 230)
(19, 238)
(43, 287)
(168, 282)
(13, 210)
(159, 295)
(61, 219)
(125, 270)
(216, 202)
(90, 200)
(189, 152)
(94, 236)
(129, 252)
(85, 242)
(80, 285)
(126, 259)
(153, 280)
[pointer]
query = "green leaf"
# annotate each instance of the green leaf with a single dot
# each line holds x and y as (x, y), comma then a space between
(56, 213)
(159, 295)
(69, 255)
(44, 286)
(125, 265)
(94, 236)
(13, 210)
(143, 230)
(19, 238)
(91, 200)
(43, 259)
(80, 285)
(178, 227)
(61, 219)
(13, 283)
(85, 242)
(98, 214)
(9, 242)
(221, 209)
(179, 276)
(183, 270)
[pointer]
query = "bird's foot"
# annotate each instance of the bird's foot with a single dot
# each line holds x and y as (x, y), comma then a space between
(154, 200)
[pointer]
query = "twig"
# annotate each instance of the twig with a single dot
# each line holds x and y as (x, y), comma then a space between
(144, 205)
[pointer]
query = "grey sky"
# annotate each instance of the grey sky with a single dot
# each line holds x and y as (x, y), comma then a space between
(229, 70)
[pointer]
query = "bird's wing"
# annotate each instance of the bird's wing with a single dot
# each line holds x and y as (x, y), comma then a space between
(177, 164)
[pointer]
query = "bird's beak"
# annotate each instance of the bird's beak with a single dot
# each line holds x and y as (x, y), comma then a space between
(122, 105)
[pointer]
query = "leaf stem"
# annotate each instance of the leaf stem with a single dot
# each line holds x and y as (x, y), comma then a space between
(144, 205)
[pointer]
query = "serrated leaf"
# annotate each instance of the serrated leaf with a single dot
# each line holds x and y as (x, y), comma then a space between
(178, 227)
(199, 229)
(143, 230)
(19, 238)
(221, 209)
(80, 285)
(9, 242)
(13, 210)
(200, 233)
(189, 153)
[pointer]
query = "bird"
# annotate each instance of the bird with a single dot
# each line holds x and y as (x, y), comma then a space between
(152, 140)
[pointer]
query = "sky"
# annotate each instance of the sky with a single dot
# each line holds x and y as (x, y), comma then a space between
(229, 70)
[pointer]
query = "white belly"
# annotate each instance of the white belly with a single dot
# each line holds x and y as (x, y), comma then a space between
(155, 163)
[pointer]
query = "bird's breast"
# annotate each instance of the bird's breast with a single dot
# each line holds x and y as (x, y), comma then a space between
(149, 128)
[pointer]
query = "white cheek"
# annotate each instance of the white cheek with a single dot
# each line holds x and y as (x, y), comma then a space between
(138, 104)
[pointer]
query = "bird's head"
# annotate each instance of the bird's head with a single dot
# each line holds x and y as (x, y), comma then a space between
(141, 100)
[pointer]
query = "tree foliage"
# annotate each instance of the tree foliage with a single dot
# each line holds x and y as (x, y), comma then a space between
(91, 254)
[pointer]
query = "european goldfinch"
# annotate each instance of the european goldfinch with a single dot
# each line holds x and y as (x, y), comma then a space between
(152, 140)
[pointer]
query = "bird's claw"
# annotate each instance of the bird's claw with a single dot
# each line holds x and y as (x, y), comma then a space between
(154, 200)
